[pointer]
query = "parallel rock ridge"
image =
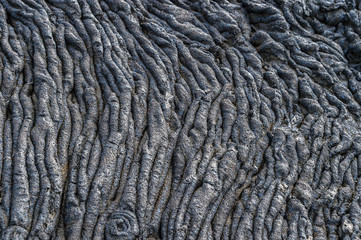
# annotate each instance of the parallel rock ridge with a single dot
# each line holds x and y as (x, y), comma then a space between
(180, 119)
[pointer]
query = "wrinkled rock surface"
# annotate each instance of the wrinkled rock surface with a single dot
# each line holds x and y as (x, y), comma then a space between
(180, 119)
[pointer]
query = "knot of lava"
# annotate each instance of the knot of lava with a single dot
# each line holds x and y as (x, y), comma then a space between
(122, 224)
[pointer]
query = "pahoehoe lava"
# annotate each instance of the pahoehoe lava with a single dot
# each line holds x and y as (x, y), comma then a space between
(180, 119)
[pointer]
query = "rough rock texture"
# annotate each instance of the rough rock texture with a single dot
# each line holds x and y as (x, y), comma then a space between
(180, 119)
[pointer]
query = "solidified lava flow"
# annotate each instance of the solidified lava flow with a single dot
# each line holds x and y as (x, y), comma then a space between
(180, 119)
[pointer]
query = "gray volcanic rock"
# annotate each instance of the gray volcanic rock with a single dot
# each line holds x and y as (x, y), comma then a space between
(180, 119)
